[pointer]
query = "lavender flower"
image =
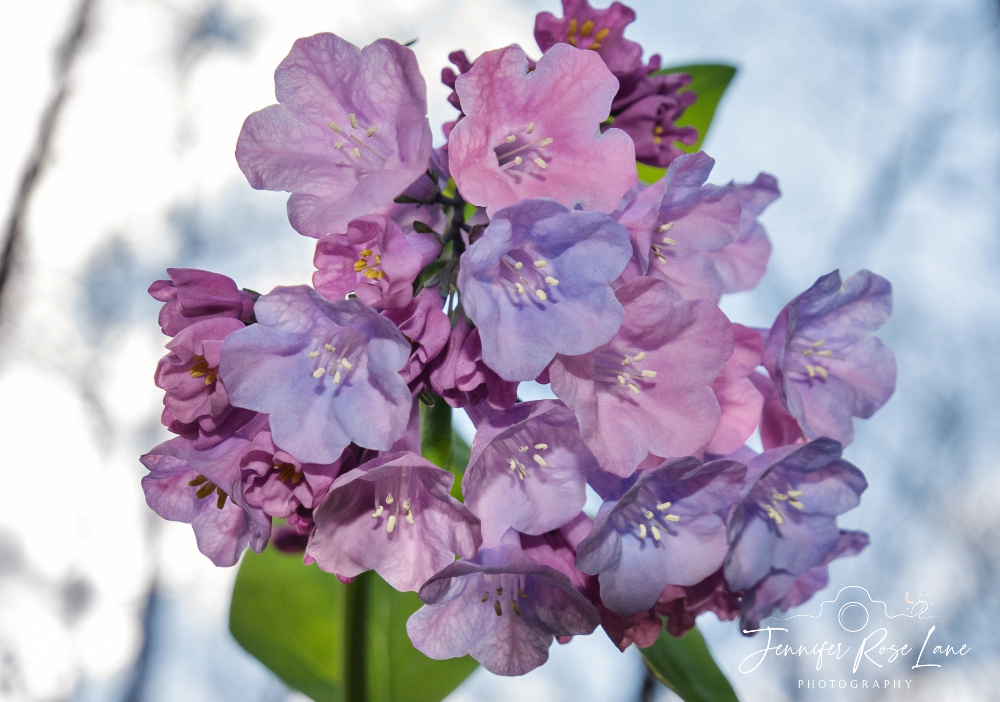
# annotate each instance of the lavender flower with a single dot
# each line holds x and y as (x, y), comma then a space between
(349, 134)
(193, 295)
(536, 283)
(460, 376)
(585, 27)
(326, 373)
(742, 263)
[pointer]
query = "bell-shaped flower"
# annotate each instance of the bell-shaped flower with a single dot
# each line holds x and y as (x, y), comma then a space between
(740, 401)
(777, 427)
(589, 28)
(783, 590)
(787, 518)
(742, 263)
(537, 283)
(349, 134)
(536, 134)
(427, 328)
(501, 607)
(695, 221)
(825, 361)
(193, 295)
(326, 373)
(202, 488)
(395, 515)
(669, 528)
(373, 259)
(528, 470)
(462, 378)
(648, 390)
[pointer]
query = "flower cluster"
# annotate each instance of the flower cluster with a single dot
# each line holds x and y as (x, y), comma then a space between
(524, 249)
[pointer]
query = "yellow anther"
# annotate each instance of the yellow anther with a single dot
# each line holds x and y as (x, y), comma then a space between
(391, 523)
(497, 608)
(817, 344)
(807, 352)
(658, 130)
(626, 361)
(346, 364)
(371, 274)
(648, 374)
(516, 607)
(811, 371)
(336, 377)
(540, 294)
(779, 496)
(531, 127)
(521, 593)
(541, 263)
(335, 128)
(370, 130)
(540, 461)
(378, 512)
(655, 531)
(518, 160)
(572, 26)
(601, 34)
(669, 242)
(329, 348)
(378, 259)
(511, 138)
(354, 120)
(486, 596)
(540, 162)
(339, 145)
(641, 355)
(520, 288)
(634, 388)
(545, 142)
(642, 531)
(551, 281)
(365, 253)
(795, 493)
(313, 354)
(821, 372)
(825, 352)
(356, 152)
(318, 373)
(665, 227)
(774, 514)
(360, 265)
(518, 266)
(647, 514)
(796, 504)
(587, 28)
(671, 517)
(663, 506)
(657, 140)
(541, 447)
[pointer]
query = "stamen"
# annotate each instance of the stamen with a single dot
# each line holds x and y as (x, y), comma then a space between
(541, 447)
(524, 449)
(486, 596)
(318, 373)
(600, 36)
(195, 482)
(822, 372)
(522, 472)
(540, 294)
(378, 512)
(500, 590)
(626, 361)
(779, 496)
(540, 162)
(388, 499)
(531, 125)
(545, 142)
(540, 461)
(335, 128)
(518, 160)
(346, 364)
(655, 532)
(642, 531)
(648, 374)
(356, 152)
(511, 139)
(513, 465)
(587, 28)
(811, 371)
(518, 265)
(796, 504)
(663, 506)
(807, 352)
(221, 502)
(826, 352)
(621, 380)
(665, 227)
(313, 354)
(634, 388)
(370, 130)
(794, 493)
(497, 608)
(391, 524)
(647, 514)
(336, 377)
(817, 344)
(205, 490)
(354, 120)
(329, 348)
(516, 607)
(521, 593)
(551, 281)
(641, 355)
(541, 263)
(520, 288)
(671, 517)
(339, 145)
(669, 242)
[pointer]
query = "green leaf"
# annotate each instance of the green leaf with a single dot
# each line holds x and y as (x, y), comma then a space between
(686, 666)
(709, 81)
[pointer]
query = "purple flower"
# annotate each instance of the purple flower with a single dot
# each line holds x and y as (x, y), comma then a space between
(695, 221)
(823, 358)
(350, 132)
(647, 108)
(373, 259)
(424, 324)
(394, 515)
(528, 470)
(784, 590)
(202, 488)
(787, 519)
(585, 27)
(460, 376)
(777, 427)
(529, 135)
(649, 389)
(669, 528)
(742, 263)
(501, 607)
(536, 283)
(327, 373)
(740, 401)
(192, 295)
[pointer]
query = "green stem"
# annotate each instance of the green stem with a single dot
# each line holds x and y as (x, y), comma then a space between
(356, 639)
(435, 433)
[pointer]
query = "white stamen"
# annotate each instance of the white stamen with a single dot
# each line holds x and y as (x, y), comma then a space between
(641, 355)
(647, 514)
(663, 506)
(409, 517)
(541, 263)
(546, 142)
(511, 139)
(524, 449)
(520, 288)
(669, 242)
(826, 352)
(391, 524)
(522, 472)
(335, 128)
(388, 499)
(338, 145)
(648, 374)
(356, 152)
(634, 388)
(540, 461)
(811, 371)
(518, 266)
(550, 280)
(656, 532)
(621, 380)
(513, 465)
(642, 531)
(378, 512)
(346, 364)
(541, 447)
(518, 160)
(370, 130)
(313, 354)
(796, 504)
(329, 348)
(821, 372)
(540, 294)
(665, 227)
(336, 377)
(817, 344)
(671, 517)
(540, 162)
(530, 129)
(626, 361)
(354, 120)
(318, 373)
